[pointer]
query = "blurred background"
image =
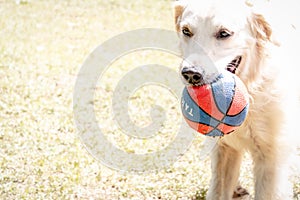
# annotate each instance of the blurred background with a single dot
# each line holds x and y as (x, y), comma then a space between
(42, 47)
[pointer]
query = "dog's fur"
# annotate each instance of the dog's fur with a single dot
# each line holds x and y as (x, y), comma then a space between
(265, 132)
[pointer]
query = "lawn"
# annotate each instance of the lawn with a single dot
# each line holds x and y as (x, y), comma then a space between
(43, 45)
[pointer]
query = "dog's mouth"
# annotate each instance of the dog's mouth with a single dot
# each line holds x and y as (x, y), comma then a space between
(194, 77)
(234, 64)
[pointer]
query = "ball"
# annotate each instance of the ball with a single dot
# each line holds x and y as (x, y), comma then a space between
(218, 108)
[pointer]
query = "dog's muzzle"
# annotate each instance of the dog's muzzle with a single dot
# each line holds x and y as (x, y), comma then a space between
(194, 77)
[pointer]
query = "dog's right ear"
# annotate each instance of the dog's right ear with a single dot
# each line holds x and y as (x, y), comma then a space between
(261, 28)
(179, 6)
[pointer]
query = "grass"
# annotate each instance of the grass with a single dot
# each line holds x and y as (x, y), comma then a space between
(42, 47)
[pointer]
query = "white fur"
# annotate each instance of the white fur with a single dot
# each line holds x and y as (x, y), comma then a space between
(269, 128)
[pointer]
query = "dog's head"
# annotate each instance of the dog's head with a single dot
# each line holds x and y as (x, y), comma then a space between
(219, 35)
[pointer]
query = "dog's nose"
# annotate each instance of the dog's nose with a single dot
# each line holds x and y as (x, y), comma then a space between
(192, 75)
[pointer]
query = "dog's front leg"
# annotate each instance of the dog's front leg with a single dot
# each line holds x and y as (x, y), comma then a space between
(271, 177)
(226, 163)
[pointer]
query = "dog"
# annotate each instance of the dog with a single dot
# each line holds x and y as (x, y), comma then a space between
(228, 35)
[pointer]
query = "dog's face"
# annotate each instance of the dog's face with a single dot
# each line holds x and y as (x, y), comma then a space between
(218, 35)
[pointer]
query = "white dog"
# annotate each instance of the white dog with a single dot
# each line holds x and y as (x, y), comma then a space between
(218, 35)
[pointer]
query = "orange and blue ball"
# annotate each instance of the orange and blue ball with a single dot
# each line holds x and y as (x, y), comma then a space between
(218, 108)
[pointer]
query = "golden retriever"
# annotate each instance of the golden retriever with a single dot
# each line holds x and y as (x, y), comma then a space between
(218, 35)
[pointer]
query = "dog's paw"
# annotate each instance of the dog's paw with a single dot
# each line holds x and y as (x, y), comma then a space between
(240, 194)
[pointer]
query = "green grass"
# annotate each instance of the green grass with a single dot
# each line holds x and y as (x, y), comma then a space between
(42, 46)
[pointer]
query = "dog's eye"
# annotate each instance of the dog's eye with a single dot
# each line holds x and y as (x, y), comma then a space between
(187, 32)
(223, 34)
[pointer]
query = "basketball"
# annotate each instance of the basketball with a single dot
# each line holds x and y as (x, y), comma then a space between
(218, 108)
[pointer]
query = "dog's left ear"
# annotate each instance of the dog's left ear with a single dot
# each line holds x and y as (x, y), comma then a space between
(260, 28)
(178, 10)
